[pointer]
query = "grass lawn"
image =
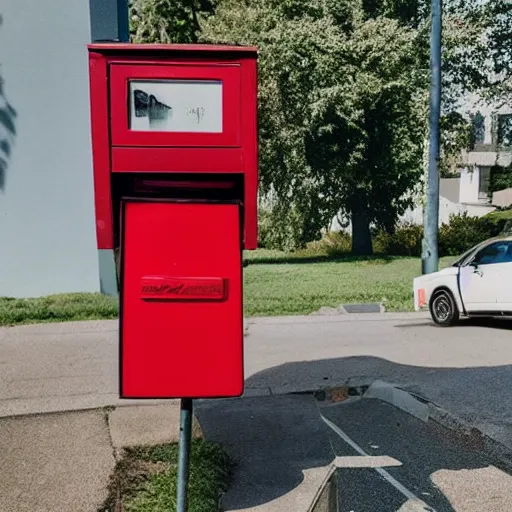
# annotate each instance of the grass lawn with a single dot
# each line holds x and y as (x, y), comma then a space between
(279, 285)
(146, 477)
(275, 284)
(57, 308)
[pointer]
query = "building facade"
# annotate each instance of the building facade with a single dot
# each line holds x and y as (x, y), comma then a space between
(47, 225)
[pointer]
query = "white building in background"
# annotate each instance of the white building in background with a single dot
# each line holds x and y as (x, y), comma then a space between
(47, 225)
(469, 190)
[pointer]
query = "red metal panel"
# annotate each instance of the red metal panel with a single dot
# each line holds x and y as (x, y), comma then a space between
(250, 146)
(101, 150)
(233, 151)
(174, 342)
(229, 75)
(212, 160)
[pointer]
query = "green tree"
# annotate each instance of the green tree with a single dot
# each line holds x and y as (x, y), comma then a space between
(476, 40)
(342, 107)
(500, 47)
(168, 21)
(343, 95)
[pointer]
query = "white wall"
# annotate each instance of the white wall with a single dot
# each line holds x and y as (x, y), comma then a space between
(479, 210)
(473, 104)
(446, 209)
(47, 238)
(469, 185)
(503, 198)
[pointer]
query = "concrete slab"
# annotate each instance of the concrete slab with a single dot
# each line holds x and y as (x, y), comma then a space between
(281, 448)
(399, 398)
(327, 497)
(147, 425)
(363, 308)
(55, 462)
(474, 490)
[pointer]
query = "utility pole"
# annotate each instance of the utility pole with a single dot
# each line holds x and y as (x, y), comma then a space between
(109, 21)
(430, 255)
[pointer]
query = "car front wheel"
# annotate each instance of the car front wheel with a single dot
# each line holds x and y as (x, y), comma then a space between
(443, 309)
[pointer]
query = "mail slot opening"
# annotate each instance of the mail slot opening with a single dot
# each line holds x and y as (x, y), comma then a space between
(168, 186)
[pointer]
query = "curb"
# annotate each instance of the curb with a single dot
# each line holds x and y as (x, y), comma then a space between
(423, 409)
(326, 498)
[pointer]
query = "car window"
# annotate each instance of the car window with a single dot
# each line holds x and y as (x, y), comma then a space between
(498, 252)
(461, 259)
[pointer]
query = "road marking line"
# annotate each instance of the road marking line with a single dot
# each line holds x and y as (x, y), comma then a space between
(382, 472)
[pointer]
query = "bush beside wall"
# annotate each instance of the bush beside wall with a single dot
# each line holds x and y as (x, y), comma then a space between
(456, 237)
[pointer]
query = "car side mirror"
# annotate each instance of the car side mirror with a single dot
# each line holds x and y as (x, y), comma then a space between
(476, 270)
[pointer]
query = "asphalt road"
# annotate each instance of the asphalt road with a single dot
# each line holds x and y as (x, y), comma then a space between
(387, 460)
(429, 471)
(465, 370)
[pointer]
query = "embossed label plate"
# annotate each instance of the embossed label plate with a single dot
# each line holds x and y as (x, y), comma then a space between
(182, 288)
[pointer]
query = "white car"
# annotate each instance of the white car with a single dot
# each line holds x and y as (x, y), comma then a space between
(479, 283)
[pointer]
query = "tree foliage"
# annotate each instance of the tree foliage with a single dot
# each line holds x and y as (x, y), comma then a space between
(500, 47)
(342, 109)
(168, 21)
(343, 96)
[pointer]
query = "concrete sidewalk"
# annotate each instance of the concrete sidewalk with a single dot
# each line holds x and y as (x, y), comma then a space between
(63, 461)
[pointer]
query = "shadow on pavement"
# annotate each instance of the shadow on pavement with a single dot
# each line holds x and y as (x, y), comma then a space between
(343, 258)
(488, 323)
(275, 440)
(491, 323)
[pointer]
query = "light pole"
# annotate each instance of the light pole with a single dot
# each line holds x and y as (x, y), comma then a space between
(430, 255)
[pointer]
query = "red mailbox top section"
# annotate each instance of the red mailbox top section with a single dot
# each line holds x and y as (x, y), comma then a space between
(173, 109)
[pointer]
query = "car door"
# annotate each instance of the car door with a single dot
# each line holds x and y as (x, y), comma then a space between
(480, 279)
(504, 299)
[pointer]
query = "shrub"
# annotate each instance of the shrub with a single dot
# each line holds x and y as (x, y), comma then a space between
(274, 235)
(499, 215)
(501, 178)
(406, 241)
(335, 243)
(460, 234)
(280, 232)
(464, 232)
(502, 219)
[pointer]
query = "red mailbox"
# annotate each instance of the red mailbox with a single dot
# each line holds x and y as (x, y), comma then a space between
(175, 170)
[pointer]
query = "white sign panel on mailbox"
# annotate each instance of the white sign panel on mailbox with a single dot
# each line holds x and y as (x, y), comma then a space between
(176, 106)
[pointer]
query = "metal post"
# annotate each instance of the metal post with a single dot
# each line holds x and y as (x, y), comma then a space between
(109, 20)
(430, 256)
(184, 454)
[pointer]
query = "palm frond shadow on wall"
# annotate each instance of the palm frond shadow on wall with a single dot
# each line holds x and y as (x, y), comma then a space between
(7, 130)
